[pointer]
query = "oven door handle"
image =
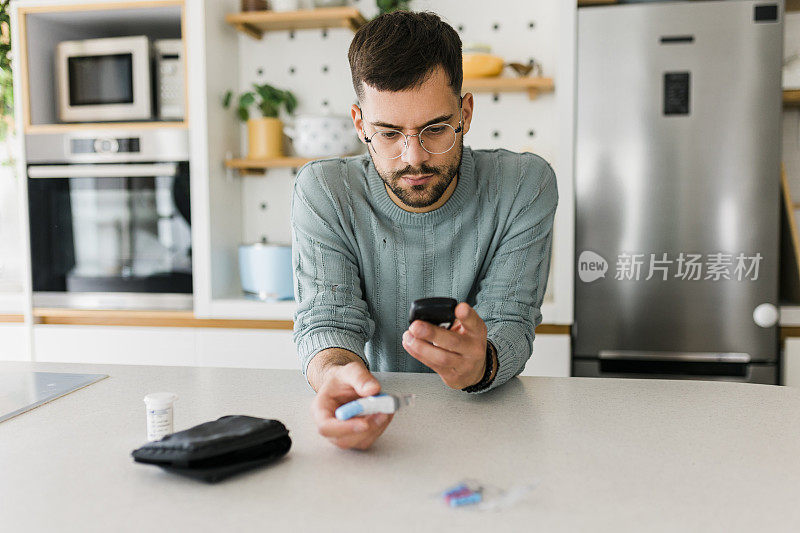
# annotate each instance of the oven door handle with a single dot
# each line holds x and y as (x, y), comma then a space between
(692, 357)
(144, 170)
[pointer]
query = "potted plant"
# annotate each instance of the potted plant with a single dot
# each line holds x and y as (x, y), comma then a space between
(387, 6)
(264, 134)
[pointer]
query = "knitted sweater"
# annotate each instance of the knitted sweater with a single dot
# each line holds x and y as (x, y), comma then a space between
(360, 260)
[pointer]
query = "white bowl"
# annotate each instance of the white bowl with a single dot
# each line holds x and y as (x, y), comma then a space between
(324, 135)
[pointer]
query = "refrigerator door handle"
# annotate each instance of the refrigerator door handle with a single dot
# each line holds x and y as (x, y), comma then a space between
(694, 357)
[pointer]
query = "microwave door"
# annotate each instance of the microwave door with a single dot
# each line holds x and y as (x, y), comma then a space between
(100, 80)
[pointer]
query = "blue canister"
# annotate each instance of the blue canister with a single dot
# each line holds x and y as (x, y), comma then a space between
(266, 271)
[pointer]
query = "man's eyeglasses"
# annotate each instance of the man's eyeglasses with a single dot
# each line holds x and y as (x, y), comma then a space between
(435, 139)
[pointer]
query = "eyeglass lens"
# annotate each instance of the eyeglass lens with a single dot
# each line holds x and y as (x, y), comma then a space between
(435, 139)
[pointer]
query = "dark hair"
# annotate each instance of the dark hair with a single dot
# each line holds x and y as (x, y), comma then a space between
(398, 51)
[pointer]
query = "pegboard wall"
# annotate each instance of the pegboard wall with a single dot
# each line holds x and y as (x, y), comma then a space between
(313, 64)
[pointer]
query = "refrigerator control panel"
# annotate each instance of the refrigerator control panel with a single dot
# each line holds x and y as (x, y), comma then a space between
(676, 93)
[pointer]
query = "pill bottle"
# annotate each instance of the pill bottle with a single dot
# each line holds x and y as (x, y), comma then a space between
(159, 407)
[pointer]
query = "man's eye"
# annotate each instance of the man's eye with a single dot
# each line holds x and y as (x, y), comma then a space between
(389, 135)
(434, 130)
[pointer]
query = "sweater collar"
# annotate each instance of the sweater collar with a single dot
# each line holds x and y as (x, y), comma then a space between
(464, 188)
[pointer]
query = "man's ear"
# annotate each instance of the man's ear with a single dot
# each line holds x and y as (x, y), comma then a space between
(358, 122)
(467, 107)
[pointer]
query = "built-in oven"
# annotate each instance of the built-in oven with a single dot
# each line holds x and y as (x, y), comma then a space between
(107, 224)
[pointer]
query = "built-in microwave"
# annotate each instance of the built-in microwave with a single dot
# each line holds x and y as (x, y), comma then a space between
(104, 79)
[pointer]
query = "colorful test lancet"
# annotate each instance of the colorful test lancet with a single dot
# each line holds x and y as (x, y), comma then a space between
(461, 495)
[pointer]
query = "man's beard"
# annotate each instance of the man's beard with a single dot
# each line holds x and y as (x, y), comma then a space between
(420, 196)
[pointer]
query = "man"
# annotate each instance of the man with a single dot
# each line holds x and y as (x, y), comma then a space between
(419, 216)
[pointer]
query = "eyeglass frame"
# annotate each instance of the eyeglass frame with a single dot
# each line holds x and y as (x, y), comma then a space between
(456, 131)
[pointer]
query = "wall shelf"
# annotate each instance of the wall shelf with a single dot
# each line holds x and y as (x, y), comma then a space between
(280, 318)
(533, 86)
(255, 23)
(259, 166)
(791, 97)
(238, 307)
(582, 3)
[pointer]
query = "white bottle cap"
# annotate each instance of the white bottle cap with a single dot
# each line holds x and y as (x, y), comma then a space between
(160, 400)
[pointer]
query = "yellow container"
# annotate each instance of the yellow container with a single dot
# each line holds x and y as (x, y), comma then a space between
(264, 138)
(478, 65)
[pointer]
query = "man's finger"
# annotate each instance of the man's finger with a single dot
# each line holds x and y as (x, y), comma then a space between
(361, 441)
(357, 376)
(446, 339)
(329, 426)
(323, 410)
(381, 421)
(469, 318)
(428, 354)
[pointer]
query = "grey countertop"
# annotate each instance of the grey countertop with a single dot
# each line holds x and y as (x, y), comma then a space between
(607, 454)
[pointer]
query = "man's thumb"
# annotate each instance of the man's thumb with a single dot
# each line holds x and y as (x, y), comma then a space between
(367, 384)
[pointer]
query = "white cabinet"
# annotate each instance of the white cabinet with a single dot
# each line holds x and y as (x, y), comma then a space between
(790, 368)
(245, 348)
(217, 347)
(13, 342)
(114, 345)
(249, 348)
(551, 357)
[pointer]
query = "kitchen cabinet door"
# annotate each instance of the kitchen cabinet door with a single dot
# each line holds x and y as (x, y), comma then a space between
(551, 356)
(246, 348)
(13, 342)
(115, 345)
(790, 370)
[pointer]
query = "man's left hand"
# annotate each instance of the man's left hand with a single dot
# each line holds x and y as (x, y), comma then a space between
(458, 355)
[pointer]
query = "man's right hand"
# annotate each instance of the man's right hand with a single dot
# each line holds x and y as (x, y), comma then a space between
(342, 384)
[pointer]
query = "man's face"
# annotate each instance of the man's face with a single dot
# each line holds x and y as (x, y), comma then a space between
(418, 178)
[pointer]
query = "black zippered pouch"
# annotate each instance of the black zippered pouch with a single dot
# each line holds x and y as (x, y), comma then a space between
(216, 450)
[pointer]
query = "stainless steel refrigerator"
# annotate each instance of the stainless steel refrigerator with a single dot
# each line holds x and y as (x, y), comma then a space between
(677, 190)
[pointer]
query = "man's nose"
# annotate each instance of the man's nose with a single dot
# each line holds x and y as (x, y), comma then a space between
(415, 154)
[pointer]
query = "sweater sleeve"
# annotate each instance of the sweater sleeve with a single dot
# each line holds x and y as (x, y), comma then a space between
(331, 312)
(510, 295)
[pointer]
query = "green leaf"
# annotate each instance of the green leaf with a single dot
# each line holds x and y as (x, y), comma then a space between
(269, 109)
(267, 98)
(268, 93)
(226, 100)
(246, 99)
(290, 102)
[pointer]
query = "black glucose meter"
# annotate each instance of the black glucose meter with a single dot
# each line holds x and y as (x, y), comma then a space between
(438, 311)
